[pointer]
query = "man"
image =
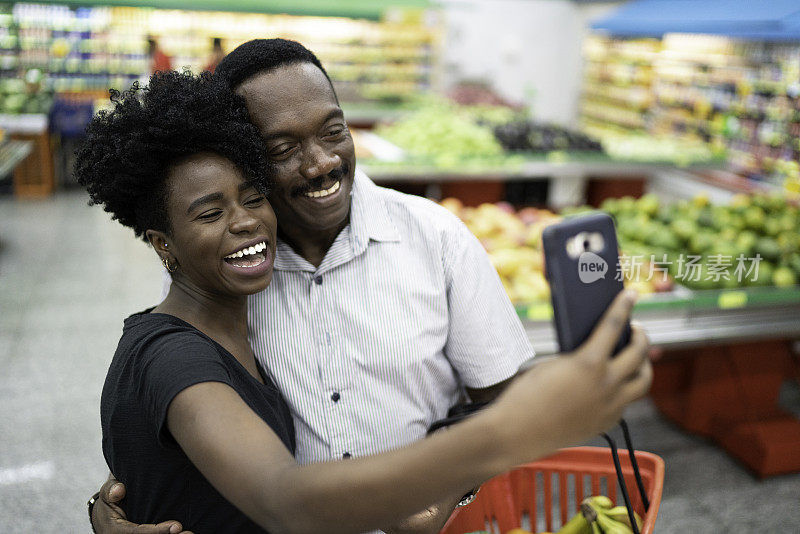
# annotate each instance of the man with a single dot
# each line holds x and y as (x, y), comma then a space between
(382, 306)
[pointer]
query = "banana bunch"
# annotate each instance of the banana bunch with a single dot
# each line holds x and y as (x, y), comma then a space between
(605, 518)
(599, 516)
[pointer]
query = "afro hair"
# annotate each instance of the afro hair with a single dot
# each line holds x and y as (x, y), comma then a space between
(128, 151)
(263, 55)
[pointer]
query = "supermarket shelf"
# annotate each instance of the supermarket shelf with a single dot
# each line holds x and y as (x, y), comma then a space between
(12, 153)
(342, 8)
(554, 168)
(360, 115)
(705, 318)
(383, 53)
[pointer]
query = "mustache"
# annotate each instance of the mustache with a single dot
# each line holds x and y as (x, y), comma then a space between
(313, 185)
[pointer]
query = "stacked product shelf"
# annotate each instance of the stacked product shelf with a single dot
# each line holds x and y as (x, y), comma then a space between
(618, 81)
(736, 95)
(91, 49)
(739, 98)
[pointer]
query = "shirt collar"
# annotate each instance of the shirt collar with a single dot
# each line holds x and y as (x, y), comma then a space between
(369, 215)
(286, 259)
(369, 220)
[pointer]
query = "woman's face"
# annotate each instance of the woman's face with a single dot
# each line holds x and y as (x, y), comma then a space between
(223, 229)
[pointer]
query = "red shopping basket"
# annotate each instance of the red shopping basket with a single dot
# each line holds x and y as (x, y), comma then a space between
(549, 491)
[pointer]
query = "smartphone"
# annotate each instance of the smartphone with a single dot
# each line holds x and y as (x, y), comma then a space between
(582, 265)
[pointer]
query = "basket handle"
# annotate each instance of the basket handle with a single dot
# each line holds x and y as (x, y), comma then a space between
(621, 479)
(635, 464)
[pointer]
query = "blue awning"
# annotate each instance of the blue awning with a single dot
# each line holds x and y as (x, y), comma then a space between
(763, 20)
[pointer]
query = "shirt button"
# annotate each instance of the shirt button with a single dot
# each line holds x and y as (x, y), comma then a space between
(346, 455)
(318, 280)
(335, 397)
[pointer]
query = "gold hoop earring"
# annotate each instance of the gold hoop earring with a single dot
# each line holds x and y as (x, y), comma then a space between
(168, 266)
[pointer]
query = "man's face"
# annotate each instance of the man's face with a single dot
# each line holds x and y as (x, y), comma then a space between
(307, 139)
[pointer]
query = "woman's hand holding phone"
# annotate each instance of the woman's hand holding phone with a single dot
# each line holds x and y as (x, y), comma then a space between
(581, 393)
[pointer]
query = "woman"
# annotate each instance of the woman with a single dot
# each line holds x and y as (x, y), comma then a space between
(191, 424)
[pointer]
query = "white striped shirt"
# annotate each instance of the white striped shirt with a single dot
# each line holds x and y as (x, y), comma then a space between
(376, 343)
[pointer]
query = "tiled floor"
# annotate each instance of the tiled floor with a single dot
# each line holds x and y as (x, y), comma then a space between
(68, 277)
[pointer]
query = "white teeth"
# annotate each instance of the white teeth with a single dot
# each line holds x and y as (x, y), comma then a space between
(258, 247)
(324, 192)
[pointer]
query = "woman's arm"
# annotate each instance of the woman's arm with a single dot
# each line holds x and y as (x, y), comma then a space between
(242, 457)
(555, 404)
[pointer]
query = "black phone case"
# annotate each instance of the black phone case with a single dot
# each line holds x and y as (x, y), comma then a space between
(578, 305)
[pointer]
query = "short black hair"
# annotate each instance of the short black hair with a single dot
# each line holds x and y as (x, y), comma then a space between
(263, 55)
(127, 153)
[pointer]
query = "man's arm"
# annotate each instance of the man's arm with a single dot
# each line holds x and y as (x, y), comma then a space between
(109, 518)
(429, 521)
(486, 342)
(490, 393)
(433, 518)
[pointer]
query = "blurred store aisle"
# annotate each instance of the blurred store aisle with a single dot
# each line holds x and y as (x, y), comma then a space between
(69, 276)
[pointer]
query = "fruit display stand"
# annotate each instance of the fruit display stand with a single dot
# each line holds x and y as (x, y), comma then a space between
(437, 141)
(726, 354)
(368, 114)
(725, 333)
(568, 174)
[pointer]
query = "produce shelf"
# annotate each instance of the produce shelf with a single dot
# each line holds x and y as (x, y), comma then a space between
(367, 114)
(553, 164)
(693, 318)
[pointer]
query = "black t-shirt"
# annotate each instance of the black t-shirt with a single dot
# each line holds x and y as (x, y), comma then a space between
(157, 357)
